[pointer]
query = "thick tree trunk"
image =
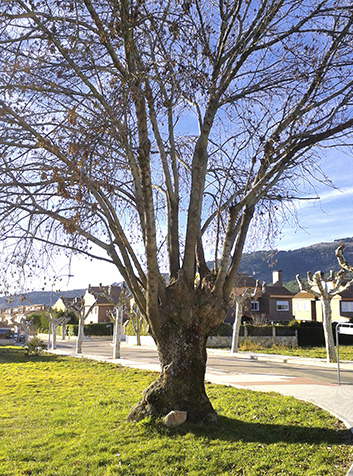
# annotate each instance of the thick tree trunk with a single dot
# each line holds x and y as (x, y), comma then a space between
(180, 385)
(186, 316)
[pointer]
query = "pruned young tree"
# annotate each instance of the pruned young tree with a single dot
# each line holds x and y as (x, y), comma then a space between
(237, 300)
(136, 320)
(65, 319)
(116, 316)
(77, 306)
(158, 132)
(325, 289)
(55, 320)
(26, 325)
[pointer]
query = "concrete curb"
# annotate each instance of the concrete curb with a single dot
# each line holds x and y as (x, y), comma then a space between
(285, 359)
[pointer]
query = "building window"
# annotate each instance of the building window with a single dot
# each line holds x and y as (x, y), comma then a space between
(254, 306)
(282, 305)
(347, 306)
(306, 306)
(298, 306)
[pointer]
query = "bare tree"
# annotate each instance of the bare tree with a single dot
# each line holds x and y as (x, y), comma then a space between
(344, 265)
(119, 303)
(26, 325)
(65, 319)
(237, 301)
(136, 320)
(167, 127)
(54, 321)
(326, 289)
(116, 316)
(77, 306)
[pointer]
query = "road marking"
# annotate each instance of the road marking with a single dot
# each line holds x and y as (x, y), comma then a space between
(258, 379)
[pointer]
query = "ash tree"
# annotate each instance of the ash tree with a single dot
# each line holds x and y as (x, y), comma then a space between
(155, 134)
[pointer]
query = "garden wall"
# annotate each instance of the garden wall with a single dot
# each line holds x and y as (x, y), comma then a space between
(145, 340)
(266, 336)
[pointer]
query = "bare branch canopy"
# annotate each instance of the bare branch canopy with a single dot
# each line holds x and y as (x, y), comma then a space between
(158, 132)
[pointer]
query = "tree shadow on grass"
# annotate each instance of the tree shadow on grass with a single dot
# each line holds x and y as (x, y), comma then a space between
(234, 430)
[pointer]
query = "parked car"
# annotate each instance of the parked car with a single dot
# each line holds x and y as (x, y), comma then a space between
(20, 338)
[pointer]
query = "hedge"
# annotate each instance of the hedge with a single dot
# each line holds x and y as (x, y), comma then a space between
(99, 329)
(310, 333)
(223, 329)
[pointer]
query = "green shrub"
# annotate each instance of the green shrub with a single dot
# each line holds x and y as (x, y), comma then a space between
(224, 329)
(35, 346)
(72, 329)
(129, 330)
(73, 319)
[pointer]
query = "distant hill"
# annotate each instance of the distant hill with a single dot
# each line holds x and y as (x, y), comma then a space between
(318, 257)
(38, 297)
(259, 264)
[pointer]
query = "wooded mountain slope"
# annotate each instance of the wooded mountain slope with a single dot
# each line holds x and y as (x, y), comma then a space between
(320, 256)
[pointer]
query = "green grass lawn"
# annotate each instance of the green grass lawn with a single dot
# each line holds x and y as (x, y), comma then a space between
(345, 351)
(65, 416)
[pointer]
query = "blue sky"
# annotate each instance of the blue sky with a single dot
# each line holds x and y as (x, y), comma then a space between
(327, 219)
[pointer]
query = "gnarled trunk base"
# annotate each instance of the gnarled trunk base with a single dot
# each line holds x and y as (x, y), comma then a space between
(180, 385)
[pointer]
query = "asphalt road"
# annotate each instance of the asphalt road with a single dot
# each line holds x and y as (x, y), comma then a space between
(219, 363)
(233, 364)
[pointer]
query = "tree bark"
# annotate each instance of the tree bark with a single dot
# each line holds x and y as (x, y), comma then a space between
(79, 336)
(117, 332)
(180, 385)
(186, 318)
(54, 328)
(236, 327)
(49, 335)
(327, 325)
(138, 327)
(63, 331)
